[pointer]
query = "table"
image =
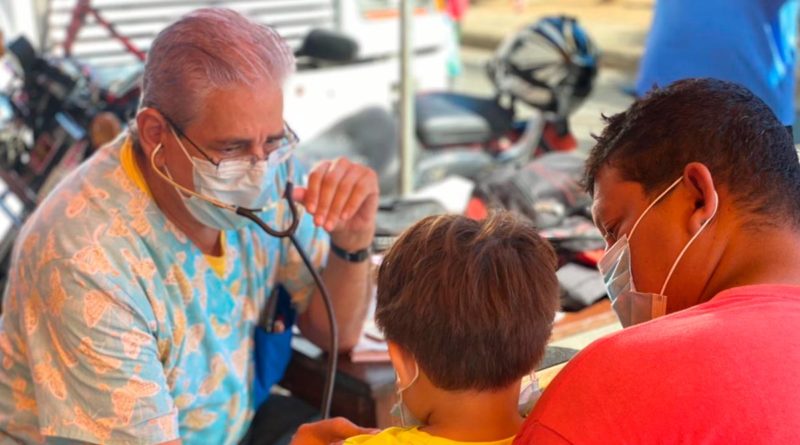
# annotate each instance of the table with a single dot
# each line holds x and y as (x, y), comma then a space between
(364, 392)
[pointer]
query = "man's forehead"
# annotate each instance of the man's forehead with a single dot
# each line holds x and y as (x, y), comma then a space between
(613, 195)
(605, 184)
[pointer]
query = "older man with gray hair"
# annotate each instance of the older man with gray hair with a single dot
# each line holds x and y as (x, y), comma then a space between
(133, 295)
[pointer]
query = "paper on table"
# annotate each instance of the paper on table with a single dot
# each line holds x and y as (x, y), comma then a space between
(452, 192)
(371, 346)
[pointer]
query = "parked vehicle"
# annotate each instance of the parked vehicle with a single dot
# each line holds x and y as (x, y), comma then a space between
(321, 91)
(544, 72)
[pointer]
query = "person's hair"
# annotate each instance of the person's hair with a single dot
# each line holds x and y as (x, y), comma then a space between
(720, 124)
(208, 49)
(473, 302)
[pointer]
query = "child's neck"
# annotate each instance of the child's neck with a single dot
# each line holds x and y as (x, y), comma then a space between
(475, 416)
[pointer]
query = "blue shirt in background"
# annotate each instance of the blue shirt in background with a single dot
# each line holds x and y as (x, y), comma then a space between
(748, 42)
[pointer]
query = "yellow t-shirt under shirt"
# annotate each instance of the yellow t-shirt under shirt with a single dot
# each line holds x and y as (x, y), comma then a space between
(130, 167)
(402, 436)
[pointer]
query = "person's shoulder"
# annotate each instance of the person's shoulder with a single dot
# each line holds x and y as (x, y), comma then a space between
(389, 436)
(97, 204)
(718, 321)
(754, 294)
(97, 187)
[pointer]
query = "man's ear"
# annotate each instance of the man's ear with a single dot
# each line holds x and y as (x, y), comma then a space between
(404, 364)
(697, 177)
(153, 129)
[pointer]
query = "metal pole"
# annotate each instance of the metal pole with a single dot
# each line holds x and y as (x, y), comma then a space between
(407, 141)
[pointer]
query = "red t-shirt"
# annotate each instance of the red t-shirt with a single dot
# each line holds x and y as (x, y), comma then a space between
(723, 372)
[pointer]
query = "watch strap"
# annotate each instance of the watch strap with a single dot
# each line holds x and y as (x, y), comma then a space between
(352, 257)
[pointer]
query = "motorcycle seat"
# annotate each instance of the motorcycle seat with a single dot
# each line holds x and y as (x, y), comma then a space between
(451, 119)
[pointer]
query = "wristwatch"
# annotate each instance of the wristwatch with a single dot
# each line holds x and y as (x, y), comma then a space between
(353, 257)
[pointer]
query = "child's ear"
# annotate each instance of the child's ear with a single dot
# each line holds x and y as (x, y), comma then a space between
(404, 364)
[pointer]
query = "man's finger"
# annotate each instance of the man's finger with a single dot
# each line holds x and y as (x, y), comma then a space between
(328, 188)
(314, 182)
(343, 193)
(362, 192)
(299, 194)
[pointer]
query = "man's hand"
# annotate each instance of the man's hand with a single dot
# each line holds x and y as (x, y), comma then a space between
(343, 197)
(326, 432)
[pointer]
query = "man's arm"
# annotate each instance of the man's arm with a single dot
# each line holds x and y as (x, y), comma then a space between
(348, 285)
(97, 377)
(343, 197)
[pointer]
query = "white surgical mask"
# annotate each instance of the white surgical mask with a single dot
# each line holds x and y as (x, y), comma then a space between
(630, 305)
(400, 409)
(219, 189)
(529, 394)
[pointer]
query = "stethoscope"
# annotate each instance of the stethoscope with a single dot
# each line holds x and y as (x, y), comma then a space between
(289, 232)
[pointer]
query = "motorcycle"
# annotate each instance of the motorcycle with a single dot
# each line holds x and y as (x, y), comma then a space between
(457, 134)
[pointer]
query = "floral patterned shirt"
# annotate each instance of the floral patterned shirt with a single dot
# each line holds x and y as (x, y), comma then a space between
(117, 329)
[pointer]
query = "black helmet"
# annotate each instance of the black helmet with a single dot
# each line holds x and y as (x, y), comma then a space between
(550, 65)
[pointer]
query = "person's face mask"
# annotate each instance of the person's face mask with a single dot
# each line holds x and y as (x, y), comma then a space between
(219, 188)
(400, 409)
(630, 305)
(528, 395)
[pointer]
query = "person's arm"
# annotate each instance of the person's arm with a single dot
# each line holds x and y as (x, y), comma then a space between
(343, 198)
(328, 431)
(96, 373)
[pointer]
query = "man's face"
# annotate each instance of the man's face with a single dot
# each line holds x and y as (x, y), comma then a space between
(659, 238)
(234, 122)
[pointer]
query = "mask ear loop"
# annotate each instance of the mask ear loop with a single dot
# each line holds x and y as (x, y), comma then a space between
(411, 383)
(655, 201)
(400, 391)
(182, 188)
(686, 247)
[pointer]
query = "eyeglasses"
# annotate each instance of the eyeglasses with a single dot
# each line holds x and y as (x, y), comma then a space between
(278, 150)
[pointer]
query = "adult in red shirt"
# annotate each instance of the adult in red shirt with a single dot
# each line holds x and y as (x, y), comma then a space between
(697, 191)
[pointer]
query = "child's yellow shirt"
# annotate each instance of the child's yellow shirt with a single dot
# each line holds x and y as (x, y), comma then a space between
(402, 436)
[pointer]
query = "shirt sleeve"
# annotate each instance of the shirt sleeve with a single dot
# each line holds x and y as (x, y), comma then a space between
(315, 241)
(94, 357)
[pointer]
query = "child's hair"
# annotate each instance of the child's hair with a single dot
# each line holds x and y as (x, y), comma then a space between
(472, 301)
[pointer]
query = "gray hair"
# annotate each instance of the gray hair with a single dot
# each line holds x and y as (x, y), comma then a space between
(208, 49)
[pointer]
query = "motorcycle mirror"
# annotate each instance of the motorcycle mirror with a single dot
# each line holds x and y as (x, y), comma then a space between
(330, 46)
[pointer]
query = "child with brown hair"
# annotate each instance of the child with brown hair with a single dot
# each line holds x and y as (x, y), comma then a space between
(467, 308)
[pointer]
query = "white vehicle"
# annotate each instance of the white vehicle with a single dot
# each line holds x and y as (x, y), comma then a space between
(319, 94)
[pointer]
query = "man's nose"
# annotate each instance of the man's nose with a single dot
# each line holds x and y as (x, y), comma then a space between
(258, 153)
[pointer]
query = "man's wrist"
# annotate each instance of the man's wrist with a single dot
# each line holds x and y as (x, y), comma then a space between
(353, 242)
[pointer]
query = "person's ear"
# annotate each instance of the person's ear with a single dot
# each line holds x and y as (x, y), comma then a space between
(153, 130)
(700, 184)
(404, 364)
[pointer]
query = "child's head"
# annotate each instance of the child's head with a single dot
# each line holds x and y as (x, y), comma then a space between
(470, 302)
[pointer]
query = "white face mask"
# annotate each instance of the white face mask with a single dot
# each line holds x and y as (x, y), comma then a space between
(220, 189)
(529, 394)
(631, 306)
(400, 409)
